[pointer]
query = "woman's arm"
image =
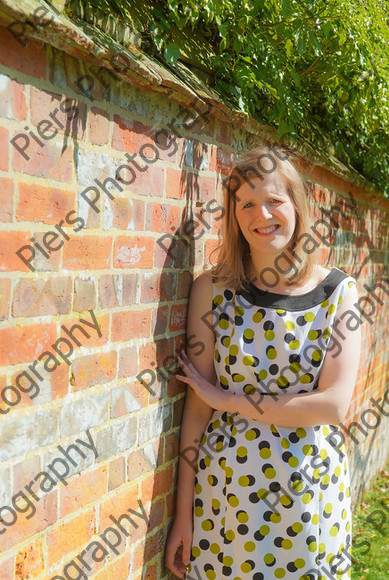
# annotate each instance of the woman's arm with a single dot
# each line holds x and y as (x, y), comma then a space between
(196, 412)
(327, 405)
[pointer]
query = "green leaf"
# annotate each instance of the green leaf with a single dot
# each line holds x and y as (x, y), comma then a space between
(289, 47)
(172, 53)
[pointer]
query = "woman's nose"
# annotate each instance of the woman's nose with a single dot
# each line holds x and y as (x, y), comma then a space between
(263, 212)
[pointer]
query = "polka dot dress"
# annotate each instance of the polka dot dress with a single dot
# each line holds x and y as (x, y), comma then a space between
(272, 501)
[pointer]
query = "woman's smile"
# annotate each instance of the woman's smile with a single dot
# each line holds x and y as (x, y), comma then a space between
(266, 231)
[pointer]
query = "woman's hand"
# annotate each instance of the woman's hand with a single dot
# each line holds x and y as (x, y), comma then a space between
(181, 534)
(210, 394)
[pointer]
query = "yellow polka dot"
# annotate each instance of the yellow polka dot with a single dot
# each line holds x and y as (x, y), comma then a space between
(249, 546)
(264, 530)
(289, 325)
(269, 335)
(215, 549)
(243, 517)
(286, 544)
(270, 472)
(306, 498)
(285, 443)
(294, 344)
(198, 511)
(315, 519)
(268, 558)
(279, 573)
(196, 551)
(227, 560)
(312, 547)
(207, 525)
(331, 309)
(309, 316)
(265, 453)
(300, 432)
(230, 535)
(299, 563)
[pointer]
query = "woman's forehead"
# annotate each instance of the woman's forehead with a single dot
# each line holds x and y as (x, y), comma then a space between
(273, 181)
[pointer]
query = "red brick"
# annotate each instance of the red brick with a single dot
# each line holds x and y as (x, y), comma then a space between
(19, 344)
(80, 253)
(5, 293)
(148, 180)
(68, 116)
(70, 535)
(29, 59)
(162, 218)
(178, 317)
(82, 490)
(93, 369)
(130, 324)
(127, 362)
(172, 442)
(117, 473)
(158, 287)
(133, 252)
(84, 294)
(96, 337)
(176, 180)
(6, 199)
(23, 528)
(7, 568)
(45, 204)
(122, 210)
(59, 382)
(4, 144)
(42, 297)
(29, 561)
(118, 505)
(51, 160)
(119, 568)
(129, 136)
(117, 290)
(98, 126)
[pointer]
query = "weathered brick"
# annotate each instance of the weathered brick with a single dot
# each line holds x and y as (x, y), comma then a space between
(127, 362)
(23, 528)
(25, 471)
(93, 369)
(84, 294)
(27, 433)
(29, 561)
(70, 535)
(82, 490)
(176, 181)
(21, 53)
(5, 295)
(118, 213)
(158, 287)
(133, 252)
(130, 324)
(117, 473)
(4, 157)
(6, 199)
(79, 253)
(123, 401)
(98, 123)
(42, 297)
(119, 568)
(117, 437)
(52, 113)
(45, 204)
(50, 160)
(12, 99)
(25, 343)
(79, 415)
(117, 290)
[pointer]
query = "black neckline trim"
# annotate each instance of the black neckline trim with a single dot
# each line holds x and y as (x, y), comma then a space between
(312, 298)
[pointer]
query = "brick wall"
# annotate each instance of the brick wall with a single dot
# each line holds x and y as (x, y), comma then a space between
(95, 254)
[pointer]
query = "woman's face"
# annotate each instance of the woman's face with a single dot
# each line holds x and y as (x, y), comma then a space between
(265, 213)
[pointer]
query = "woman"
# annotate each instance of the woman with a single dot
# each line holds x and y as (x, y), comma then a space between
(268, 495)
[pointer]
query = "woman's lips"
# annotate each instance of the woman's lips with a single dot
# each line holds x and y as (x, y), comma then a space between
(266, 231)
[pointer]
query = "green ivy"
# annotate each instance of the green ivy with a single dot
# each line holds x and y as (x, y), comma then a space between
(317, 71)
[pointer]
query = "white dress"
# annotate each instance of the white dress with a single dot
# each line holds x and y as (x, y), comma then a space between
(271, 501)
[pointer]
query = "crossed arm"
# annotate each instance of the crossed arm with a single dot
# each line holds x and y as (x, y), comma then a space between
(328, 404)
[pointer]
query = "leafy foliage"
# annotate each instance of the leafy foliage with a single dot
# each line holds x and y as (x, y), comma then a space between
(318, 71)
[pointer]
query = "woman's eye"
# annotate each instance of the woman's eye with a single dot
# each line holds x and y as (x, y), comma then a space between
(248, 203)
(275, 200)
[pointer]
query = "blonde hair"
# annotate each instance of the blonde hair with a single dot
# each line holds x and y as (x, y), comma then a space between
(231, 269)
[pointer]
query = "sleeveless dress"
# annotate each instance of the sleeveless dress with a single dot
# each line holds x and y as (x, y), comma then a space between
(271, 501)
